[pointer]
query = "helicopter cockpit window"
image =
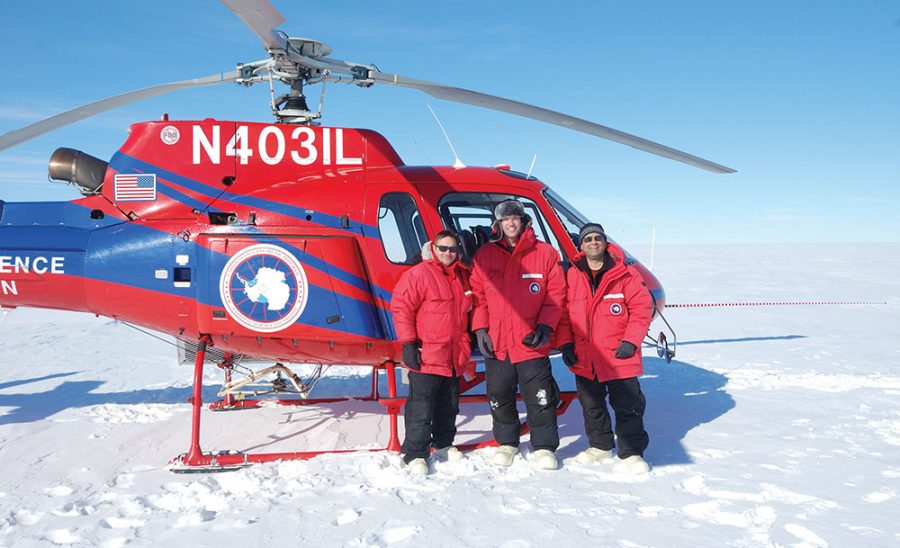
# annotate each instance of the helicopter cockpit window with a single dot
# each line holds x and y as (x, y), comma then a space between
(567, 214)
(573, 220)
(470, 214)
(400, 227)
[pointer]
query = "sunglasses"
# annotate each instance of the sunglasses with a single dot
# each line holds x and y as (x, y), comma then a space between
(589, 239)
(448, 248)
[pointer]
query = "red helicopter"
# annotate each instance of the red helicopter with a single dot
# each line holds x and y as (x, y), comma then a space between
(269, 242)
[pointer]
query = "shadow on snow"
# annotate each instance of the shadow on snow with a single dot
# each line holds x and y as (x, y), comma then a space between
(680, 397)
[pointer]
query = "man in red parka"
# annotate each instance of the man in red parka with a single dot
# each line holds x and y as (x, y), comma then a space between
(431, 305)
(609, 312)
(519, 291)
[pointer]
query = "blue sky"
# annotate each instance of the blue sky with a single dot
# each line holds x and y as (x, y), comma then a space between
(801, 97)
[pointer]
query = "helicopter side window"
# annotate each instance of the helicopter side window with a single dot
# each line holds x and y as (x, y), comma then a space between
(471, 214)
(401, 229)
(573, 220)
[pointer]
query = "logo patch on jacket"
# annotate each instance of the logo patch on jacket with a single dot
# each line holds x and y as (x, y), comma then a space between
(534, 287)
(615, 309)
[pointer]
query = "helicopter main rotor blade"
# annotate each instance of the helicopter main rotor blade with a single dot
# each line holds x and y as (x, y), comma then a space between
(262, 18)
(465, 96)
(70, 116)
(469, 97)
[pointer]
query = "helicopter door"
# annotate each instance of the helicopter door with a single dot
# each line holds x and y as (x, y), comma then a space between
(395, 233)
(267, 285)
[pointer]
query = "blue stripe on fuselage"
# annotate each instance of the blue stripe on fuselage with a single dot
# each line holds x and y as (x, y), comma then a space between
(130, 254)
(52, 214)
(170, 192)
(124, 163)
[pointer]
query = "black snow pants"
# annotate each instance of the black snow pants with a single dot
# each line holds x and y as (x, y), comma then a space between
(539, 392)
(429, 414)
(628, 404)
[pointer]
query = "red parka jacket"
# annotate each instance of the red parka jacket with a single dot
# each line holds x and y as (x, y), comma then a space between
(431, 303)
(516, 290)
(620, 310)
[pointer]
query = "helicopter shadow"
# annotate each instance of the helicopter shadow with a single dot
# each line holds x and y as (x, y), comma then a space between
(36, 406)
(743, 339)
(680, 398)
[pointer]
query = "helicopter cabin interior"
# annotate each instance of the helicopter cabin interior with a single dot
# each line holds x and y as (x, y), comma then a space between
(470, 215)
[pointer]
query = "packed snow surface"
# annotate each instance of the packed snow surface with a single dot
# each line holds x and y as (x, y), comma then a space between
(774, 426)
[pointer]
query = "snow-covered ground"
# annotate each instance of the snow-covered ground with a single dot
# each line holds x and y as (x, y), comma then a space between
(773, 427)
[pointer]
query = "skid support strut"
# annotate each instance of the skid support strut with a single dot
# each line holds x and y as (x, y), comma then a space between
(663, 348)
(195, 455)
(195, 460)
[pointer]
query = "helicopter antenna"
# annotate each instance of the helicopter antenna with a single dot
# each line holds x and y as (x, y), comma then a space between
(425, 154)
(530, 169)
(457, 163)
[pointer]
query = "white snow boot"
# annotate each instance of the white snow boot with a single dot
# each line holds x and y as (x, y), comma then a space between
(544, 459)
(592, 455)
(635, 465)
(449, 453)
(504, 455)
(418, 467)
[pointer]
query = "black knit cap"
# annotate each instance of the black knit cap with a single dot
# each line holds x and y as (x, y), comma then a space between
(595, 228)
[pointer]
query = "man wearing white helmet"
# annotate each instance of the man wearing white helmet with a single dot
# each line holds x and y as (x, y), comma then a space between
(519, 292)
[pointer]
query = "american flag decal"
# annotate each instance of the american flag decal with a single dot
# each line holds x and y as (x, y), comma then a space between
(135, 187)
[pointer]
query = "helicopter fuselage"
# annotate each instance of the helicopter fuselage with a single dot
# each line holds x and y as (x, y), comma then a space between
(280, 242)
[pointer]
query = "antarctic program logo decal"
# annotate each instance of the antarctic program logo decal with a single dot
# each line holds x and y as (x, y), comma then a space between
(264, 288)
(535, 288)
(615, 309)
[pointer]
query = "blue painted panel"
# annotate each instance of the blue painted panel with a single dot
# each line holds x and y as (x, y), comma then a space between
(52, 214)
(124, 163)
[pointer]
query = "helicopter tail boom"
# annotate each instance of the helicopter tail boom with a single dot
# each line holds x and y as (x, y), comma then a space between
(42, 262)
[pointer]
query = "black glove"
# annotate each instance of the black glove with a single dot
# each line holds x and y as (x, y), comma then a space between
(539, 337)
(412, 356)
(568, 354)
(485, 345)
(625, 350)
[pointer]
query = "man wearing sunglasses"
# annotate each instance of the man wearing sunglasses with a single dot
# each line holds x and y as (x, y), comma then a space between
(519, 292)
(431, 305)
(609, 312)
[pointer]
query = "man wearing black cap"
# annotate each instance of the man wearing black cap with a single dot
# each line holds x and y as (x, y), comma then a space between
(519, 291)
(609, 311)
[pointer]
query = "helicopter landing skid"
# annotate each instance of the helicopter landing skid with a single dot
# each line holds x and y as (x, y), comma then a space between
(215, 464)
(663, 348)
(239, 405)
(195, 460)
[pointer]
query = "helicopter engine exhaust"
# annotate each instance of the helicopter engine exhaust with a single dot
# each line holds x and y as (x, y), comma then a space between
(74, 166)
